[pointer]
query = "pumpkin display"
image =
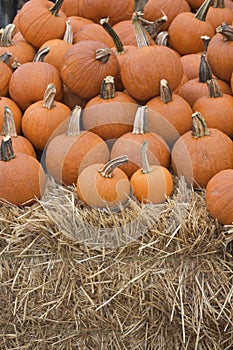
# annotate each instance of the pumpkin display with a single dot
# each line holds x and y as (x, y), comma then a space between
(142, 81)
(19, 48)
(219, 197)
(187, 28)
(104, 185)
(42, 118)
(217, 108)
(29, 177)
(111, 113)
(16, 112)
(70, 152)
(58, 47)
(169, 114)
(97, 9)
(152, 10)
(5, 74)
(131, 142)
(85, 65)
(198, 154)
(152, 183)
(218, 13)
(40, 21)
(30, 80)
(19, 142)
(220, 52)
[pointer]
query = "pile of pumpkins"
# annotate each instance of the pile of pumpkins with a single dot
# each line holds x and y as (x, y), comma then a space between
(117, 101)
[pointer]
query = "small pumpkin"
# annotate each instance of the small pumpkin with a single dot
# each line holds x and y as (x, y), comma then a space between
(19, 142)
(198, 154)
(22, 178)
(219, 197)
(104, 185)
(131, 142)
(5, 74)
(152, 183)
(42, 118)
(71, 151)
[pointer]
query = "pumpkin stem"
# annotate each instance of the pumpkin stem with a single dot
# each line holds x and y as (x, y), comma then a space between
(117, 41)
(103, 54)
(146, 169)
(39, 56)
(162, 38)
(56, 7)
(7, 35)
(140, 32)
(203, 9)
(107, 89)
(68, 35)
(8, 124)
(141, 121)
(205, 72)
(107, 169)
(5, 57)
(206, 40)
(165, 91)
(199, 126)
(74, 121)
(218, 4)
(15, 64)
(226, 30)
(49, 96)
(152, 28)
(6, 149)
(214, 88)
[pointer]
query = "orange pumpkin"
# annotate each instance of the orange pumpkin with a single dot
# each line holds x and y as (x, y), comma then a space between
(5, 74)
(218, 13)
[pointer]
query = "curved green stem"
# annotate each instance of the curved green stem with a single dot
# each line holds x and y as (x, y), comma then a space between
(203, 9)
(57, 6)
(117, 41)
(107, 169)
(74, 121)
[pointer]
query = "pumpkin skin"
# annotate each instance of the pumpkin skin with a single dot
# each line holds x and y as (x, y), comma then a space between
(29, 179)
(83, 73)
(95, 32)
(42, 118)
(78, 22)
(186, 30)
(191, 63)
(37, 24)
(97, 9)
(219, 197)
(142, 81)
(22, 88)
(97, 190)
(5, 77)
(70, 7)
(198, 159)
(16, 111)
(218, 15)
(152, 10)
(68, 153)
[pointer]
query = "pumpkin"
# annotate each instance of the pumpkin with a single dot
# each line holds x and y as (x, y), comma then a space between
(30, 80)
(169, 114)
(58, 47)
(70, 7)
(111, 113)
(71, 100)
(104, 185)
(85, 65)
(218, 13)
(42, 118)
(187, 28)
(152, 183)
(198, 154)
(78, 22)
(16, 111)
(70, 152)
(19, 142)
(131, 142)
(152, 10)
(22, 178)
(95, 32)
(231, 82)
(97, 9)
(20, 49)
(219, 197)
(40, 21)
(5, 74)
(220, 52)
(191, 64)
(195, 4)
(143, 69)
(217, 108)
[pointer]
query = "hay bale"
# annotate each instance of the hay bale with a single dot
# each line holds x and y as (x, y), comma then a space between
(165, 284)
